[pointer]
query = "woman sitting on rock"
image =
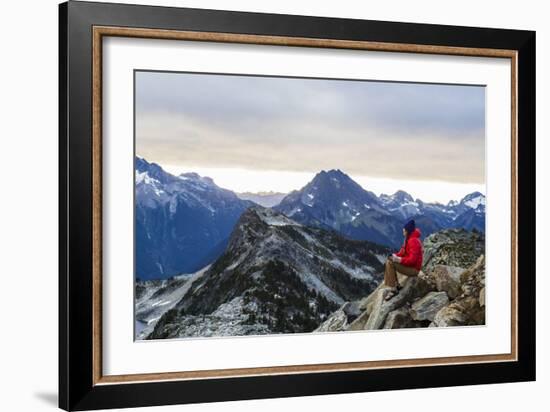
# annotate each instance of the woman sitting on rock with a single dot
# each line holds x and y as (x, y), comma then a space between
(407, 261)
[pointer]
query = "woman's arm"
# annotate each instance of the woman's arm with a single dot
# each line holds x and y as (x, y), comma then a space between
(415, 250)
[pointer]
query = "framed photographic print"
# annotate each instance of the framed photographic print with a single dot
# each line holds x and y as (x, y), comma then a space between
(257, 205)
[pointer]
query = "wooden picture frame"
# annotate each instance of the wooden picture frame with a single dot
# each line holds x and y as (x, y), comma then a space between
(83, 26)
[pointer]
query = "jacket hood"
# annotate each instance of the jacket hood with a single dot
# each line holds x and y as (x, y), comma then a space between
(415, 234)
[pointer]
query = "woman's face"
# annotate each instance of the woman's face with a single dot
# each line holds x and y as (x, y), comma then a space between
(404, 232)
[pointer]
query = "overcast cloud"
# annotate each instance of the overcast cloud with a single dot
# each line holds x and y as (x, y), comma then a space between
(378, 129)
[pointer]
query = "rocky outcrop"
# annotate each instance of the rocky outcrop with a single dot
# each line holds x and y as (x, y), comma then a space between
(445, 293)
(401, 318)
(469, 307)
(446, 279)
(340, 319)
(412, 289)
(336, 322)
(453, 247)
(427, 307)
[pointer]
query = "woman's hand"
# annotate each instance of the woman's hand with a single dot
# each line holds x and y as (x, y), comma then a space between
(395, 258)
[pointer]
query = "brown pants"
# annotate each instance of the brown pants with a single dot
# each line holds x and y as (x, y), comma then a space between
(390, 275)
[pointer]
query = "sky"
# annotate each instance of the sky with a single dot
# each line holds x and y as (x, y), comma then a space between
(255, 133)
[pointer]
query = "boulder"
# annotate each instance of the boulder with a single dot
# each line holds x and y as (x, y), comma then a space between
(365, 304)
(469, 307)
(449, 316)
(427, 307)
(464, 311)
(447, 279)
(351, 309)
(360, 322)
(337, 321)
(400, 319)
(413, 287)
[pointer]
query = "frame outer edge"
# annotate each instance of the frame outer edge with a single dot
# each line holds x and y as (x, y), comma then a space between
(78, 217)
(63, 375)
(78, 356)
(527, 206)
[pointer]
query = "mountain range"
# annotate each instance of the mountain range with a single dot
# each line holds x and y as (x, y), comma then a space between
(332, 200)
(275, 276)
(184, 223)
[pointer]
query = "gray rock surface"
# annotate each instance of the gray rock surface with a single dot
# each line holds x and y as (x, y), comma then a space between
(467, 308)
(447, 279)
(427, 307)
(413, 287)
(453, 247)
(400, 319)
(337, 321)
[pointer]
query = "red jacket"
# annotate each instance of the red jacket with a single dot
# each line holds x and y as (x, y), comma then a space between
(411, 252)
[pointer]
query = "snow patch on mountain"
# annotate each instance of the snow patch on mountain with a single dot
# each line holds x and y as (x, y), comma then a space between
(155, 297)
(475, 202)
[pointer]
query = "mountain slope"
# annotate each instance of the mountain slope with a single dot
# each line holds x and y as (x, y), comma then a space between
(276, 276)
(182, 222)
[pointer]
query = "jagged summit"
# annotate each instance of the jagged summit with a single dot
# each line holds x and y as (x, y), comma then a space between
(334, 178)
(402, 196)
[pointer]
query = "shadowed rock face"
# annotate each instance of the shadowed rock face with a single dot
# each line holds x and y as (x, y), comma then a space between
(442, 295)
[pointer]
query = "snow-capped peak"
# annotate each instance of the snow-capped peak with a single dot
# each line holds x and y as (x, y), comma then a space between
(474, 200)
(192, 176)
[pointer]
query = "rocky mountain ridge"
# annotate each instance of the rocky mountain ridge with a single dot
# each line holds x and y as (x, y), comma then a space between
(275, 276)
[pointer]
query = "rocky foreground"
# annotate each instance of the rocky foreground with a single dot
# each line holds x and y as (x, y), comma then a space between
(449, 291)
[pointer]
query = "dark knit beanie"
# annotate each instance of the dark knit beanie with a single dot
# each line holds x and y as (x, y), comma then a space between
(410, 226)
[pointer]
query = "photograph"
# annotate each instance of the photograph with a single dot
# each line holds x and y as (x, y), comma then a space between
(271, 205)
